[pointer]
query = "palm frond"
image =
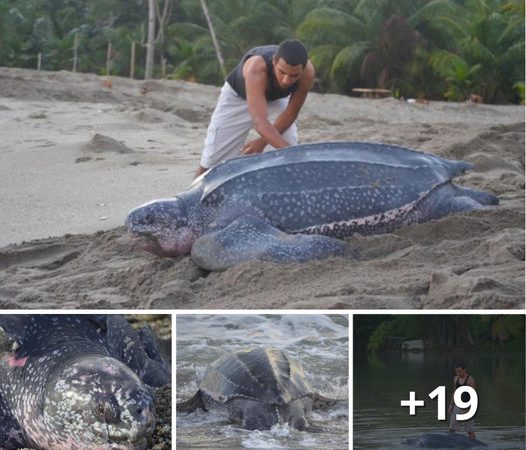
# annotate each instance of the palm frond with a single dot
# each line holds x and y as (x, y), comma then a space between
(432, 10)
(329, 26)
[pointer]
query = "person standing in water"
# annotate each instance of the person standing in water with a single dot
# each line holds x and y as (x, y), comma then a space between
(462, 378)
(266, 90)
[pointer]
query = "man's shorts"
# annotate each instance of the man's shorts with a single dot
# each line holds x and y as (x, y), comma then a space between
(231, 123)
(455, 424)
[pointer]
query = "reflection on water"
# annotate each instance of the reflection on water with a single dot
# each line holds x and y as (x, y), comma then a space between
(319, 342)
(381, 381)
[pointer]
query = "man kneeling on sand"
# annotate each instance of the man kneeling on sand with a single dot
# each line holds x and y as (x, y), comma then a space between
(270, 82)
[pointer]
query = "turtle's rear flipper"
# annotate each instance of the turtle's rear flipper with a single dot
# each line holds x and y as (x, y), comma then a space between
(484, 198)
(251, 238)
(448, 198)
(191, 404)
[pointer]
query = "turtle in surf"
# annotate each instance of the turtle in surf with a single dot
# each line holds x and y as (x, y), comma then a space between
(258, 388)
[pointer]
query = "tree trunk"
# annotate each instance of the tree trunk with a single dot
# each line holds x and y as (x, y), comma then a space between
(162, 19)
(109, 58)
(132, 60)
(214, 38)
(150, 46)
(76, 52)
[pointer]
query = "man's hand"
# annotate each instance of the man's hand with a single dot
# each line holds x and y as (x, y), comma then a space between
(253, 147)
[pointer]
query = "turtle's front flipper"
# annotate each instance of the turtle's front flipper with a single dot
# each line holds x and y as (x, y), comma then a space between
(191, 404)
(157, 349)
(144, 359)
(251, 238)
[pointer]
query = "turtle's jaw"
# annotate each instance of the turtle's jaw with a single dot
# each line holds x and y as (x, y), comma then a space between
(150, 244)
(168, 243)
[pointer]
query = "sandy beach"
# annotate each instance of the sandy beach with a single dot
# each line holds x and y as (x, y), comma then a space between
(77, 152)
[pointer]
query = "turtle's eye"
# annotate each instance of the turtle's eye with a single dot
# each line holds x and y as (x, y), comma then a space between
(148, 218)
(106, 409)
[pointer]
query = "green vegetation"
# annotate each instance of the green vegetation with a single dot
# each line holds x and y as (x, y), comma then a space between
(434, 49)
(440, 332)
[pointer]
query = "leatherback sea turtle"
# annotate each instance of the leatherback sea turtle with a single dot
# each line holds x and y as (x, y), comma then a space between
(77, 382)
(444, 440)
(289, 205)
(258, 388)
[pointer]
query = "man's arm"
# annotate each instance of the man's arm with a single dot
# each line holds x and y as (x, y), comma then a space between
(285, 120)
(256, 80)
(452, 402)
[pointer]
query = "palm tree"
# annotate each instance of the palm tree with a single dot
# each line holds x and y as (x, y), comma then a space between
(238, 26)
(338, 41)
(367, 44)
(217, 47)
(484, 53)
(191, 50)
(385, 63)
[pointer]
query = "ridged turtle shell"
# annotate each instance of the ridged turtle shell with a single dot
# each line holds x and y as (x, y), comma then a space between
(261, 374)
(329, 182)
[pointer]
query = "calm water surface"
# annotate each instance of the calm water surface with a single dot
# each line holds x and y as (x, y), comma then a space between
(319, 342)
(381, 381)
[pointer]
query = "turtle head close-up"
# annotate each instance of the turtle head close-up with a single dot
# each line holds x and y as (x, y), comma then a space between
(162, 227)
(260, 416)
(100, 404)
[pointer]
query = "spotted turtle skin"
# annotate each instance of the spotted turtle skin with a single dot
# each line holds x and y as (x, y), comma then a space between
(74, 382)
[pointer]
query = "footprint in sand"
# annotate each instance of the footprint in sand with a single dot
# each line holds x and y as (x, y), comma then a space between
(83, 159)
(44, 257)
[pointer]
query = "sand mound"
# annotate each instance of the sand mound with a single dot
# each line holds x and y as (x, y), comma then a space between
(101, 144)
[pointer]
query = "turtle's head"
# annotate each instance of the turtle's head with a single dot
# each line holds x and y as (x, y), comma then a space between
(259, 416)
(97, 403)
(162, 227)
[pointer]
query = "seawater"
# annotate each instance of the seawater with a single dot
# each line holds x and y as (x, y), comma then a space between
(382, 380)
(319, 342)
